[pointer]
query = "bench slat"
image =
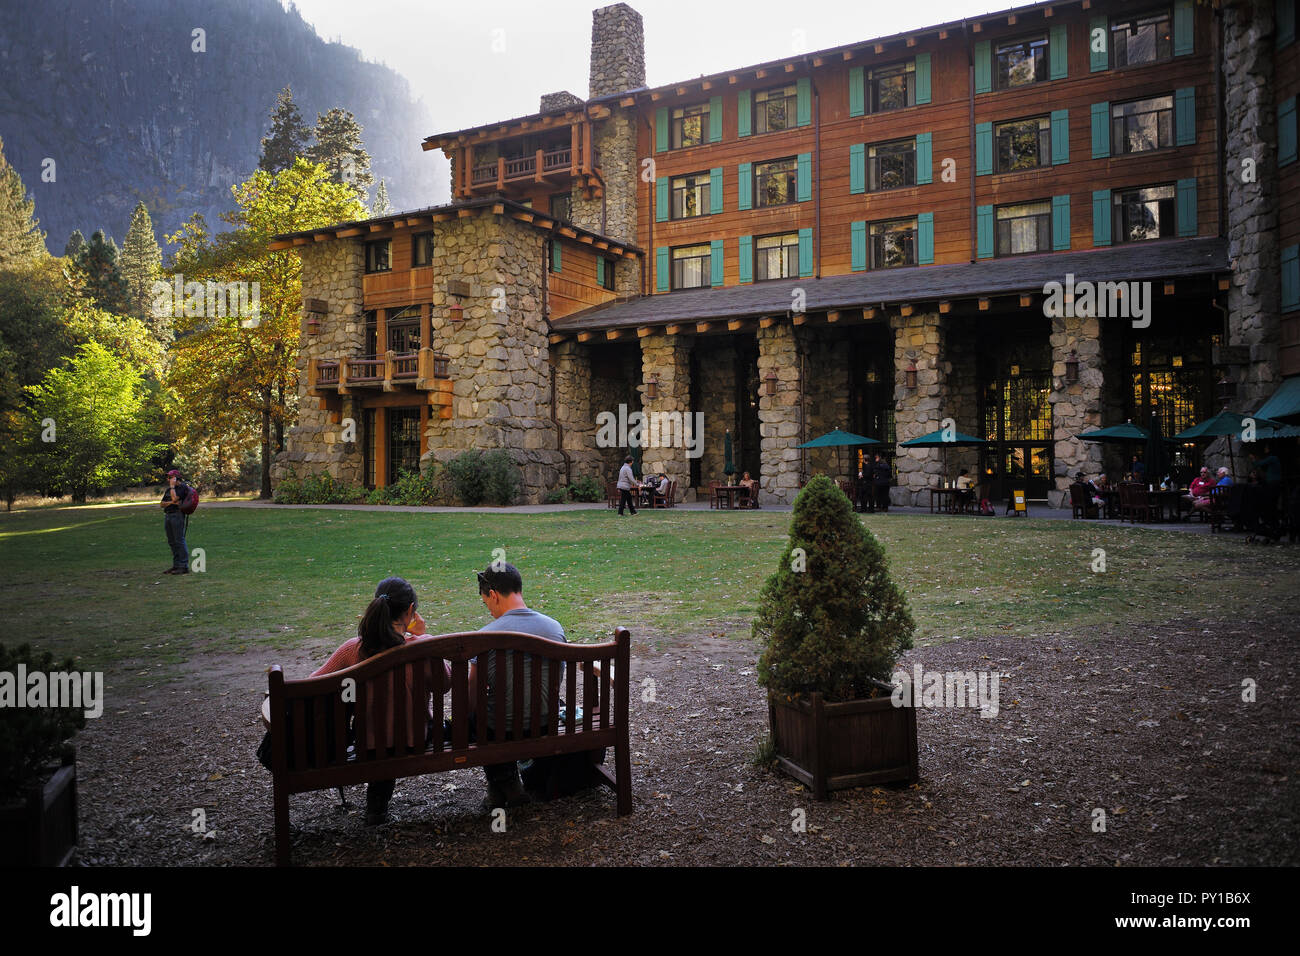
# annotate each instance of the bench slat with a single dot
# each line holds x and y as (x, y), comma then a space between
(480, 705)
(553, 676)
(535, 694)
(319, 705)
(499, 725)
(589, 699)
(460, 705)
(438, 686)
(340, 730)
(606, 666)
(298, 709)
(570, 698)
(518, 715)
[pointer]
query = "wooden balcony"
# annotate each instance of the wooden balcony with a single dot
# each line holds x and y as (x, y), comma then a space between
(425, 371)
(538, 167)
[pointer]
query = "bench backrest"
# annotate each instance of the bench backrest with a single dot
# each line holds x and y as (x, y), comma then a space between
(385, 697)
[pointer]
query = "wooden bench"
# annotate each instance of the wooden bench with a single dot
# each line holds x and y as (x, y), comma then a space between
(312, 725)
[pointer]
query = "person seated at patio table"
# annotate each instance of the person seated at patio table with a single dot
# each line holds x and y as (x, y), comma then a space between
(964, 484)
(1199, 488)
(662, 486)
(1094, 493)
(1224, 481)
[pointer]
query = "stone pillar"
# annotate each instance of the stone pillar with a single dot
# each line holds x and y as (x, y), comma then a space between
(617, 50)
(571, 373)
(668, 357)
(614, 213)
(922, 409)
(715, 363)
(826, 393)
(331, 271)
(779, 415)
(1075, 408)
(1252, 207)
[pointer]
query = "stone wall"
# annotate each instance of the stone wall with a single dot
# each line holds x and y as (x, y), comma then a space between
(779, 415)
(959, 374)
(560, 100)
(715, 363)
(615, 372)
(330, 271)
(1076, 407)
(826, 398)
(617, 50)
(669, 358)
(615, 213)
(919, 410)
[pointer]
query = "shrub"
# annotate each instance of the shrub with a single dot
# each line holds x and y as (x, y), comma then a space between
(323, 489)
(557, 497)
(476, 477)
(840, 622)
(31, 738)
(587, 488)
(415, 488)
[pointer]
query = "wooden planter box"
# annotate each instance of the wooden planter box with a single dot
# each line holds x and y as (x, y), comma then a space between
(41, 829)
(856, 743)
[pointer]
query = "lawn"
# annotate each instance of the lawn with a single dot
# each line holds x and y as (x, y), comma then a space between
(87, 580)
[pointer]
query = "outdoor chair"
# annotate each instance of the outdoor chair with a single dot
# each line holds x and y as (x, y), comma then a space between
(611, 494)
(1081, 504)
(713, 493)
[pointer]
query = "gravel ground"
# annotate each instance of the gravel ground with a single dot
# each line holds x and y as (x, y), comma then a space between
(1147, 724)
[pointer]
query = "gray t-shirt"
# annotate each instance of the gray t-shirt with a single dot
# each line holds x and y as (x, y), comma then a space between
(527, 621)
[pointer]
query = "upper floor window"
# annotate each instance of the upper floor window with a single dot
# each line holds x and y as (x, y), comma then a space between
(775, 109)
(690, 196)
(421, 249)
(1144, 213)
(891, 165)
(893, 243)
(1023, 144)
(689, 126)
(776, 182)
(776, 257)
(1140, 125)
(692, 267)
(605, 272)
(1143, 39)
(1024, 227)
(562, 206)
(1020, 62)
(377, 255)
(891, 87)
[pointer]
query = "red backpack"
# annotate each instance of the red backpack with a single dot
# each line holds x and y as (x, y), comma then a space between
(191, 502)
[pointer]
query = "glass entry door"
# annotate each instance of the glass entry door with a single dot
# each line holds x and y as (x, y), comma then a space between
(403, 442)
(1018, 425)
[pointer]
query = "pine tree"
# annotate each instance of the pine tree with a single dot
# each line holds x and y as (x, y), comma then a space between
(141, 266)
(339, 148)
(21, 240)
(101, 274)
(288, 137)
(76, 242)
(381, 206)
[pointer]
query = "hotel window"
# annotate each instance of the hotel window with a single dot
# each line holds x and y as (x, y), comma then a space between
(692, 267)
(1146, 213)
(690, 196)
(562, 206)
(690, 125)
(775, 110)
(1020, 62)
(891, 88)
(776, 182)
(1024, 227)
(422, 249)
(605, 272)
(1023, 144)
(1143, 39)
(893, 243)
(891, 165)
(776, 257)
(1141, 125)
(377, 257)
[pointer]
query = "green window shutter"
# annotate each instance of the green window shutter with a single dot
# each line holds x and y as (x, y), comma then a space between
(1285, 22)
(1101, 217)
(743, 113)
(924, 167)
(1100, 130)
(715, 261)
(1187, 207)
(984, 232)
(661, 129)
(1291, 278)
(983, 149)
(983, 67)
(663, 275)
(925, 239)
(805, 253)
(1060, 137)
(1061, 223)
(1286, 132)
(858, 231)
(805, 177)
(922, 79)
(555, 256)
(662, 196)
(1185, 116)
(745, 186)
(803, 101)
(715, 190)
(858, 168)
(1098, 43)
(1058, 52)
(1184, 28)
(857, 97)
(746, 258)
(600, 270)
(715, 119)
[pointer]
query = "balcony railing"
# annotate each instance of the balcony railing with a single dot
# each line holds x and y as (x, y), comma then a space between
(366, 368)
(425, 369)
(511, 170)
(327, 373)
(406, 365)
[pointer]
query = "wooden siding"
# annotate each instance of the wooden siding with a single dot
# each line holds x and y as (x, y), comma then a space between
(574, 287)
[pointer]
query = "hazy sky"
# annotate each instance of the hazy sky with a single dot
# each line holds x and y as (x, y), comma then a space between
(477, 61)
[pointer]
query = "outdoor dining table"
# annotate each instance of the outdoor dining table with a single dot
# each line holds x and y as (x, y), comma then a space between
(950, 505)
(1167, 501)
(728, 494)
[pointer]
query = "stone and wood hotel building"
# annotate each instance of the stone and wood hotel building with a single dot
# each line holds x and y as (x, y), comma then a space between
(857, 238)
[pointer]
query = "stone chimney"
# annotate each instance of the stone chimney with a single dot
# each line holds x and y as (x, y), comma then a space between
(560, 100)
(617, 50)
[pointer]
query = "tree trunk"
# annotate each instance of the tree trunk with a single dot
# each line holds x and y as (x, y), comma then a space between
(279, 419)
(266, 444)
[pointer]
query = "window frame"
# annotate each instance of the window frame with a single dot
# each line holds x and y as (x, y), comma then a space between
(568, 199)
(792, 112)
(1041, 231)
(871, 78)
(1044, 143)
(1119, 144)
(1039, 43)
(793, 255)
(706, 269)
(872, 170)
(1120, 235)
(872, 265)
(371, 260)
(416, 240)
(608, 284)
(1163, 12)
(793, 183)
(676, 124)
(705, 202)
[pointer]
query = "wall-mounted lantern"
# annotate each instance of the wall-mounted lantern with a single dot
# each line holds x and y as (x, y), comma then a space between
(909, 374)
(769, 382)
(652, 387)
(316, 310)
(1227, 389)
(1072, 368)
(455, 310)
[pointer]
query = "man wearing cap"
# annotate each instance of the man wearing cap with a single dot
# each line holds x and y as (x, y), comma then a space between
(500, 586)
(174, 522)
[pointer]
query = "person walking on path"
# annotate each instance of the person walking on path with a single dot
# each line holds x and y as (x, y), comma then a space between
(626, 482)
(174, 522)
(881, 478)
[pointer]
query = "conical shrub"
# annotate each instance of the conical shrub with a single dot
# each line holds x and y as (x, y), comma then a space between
(830, 619)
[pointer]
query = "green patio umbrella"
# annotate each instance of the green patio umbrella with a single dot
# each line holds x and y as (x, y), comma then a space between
(635, 452)
(729, 465)
(1128, 432)
(936, 440)
(1156, 463)
(1227, 424)
(838, 439)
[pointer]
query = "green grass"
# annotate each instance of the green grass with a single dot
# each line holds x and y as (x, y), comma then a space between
(87, 580)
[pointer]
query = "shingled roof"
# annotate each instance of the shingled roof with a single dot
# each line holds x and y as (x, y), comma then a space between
(1164, 259)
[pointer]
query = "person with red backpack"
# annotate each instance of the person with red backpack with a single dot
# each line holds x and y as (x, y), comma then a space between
(178, 503)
